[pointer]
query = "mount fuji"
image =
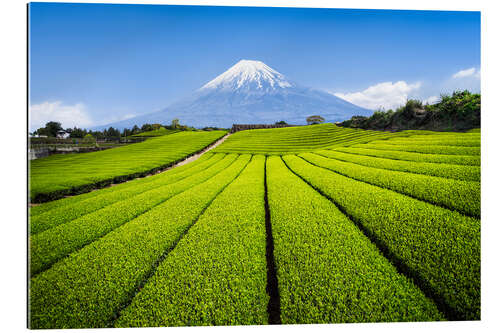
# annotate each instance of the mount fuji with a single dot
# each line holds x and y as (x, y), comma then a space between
(250, 92)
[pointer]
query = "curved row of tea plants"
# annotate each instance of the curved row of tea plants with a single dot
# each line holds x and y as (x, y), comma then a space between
(58, 175)
(328, 271)
(90, 287)
(53, 244)
(459, 172)
(71, 208)
(415, 157)
(438, 248)
(423, 148)
(296, 139)
(216, 275)
(459, 195)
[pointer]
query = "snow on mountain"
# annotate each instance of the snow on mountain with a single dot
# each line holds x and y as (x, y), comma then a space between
(248, 75)
(249, 92)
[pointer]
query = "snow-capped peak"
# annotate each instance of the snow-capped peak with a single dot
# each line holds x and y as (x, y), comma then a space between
(249, 74)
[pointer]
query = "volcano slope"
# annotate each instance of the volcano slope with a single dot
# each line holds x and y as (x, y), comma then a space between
(312, 224)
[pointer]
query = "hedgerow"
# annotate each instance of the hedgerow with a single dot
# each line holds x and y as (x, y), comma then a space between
(428, 140)
(47, 206)
(68, 212)
(460, 172)
(216, 275)
(91, 286)
(328, 271)
(54, 244)
(431, 149)
(462, 196)
(438, 248)
(417, 157)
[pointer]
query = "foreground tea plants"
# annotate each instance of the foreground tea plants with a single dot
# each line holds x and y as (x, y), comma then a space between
(308, 224)
(51, 245)
(437, 247)
(328, 271)
(69, 209)
(91, 286)
(55, 176)
(216, 275)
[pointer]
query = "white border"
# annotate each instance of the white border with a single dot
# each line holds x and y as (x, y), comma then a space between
(13, 134)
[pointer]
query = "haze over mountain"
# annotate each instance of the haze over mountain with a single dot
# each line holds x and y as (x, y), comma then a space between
(250, 92)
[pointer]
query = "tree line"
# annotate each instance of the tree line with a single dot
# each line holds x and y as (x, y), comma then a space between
(53, 129)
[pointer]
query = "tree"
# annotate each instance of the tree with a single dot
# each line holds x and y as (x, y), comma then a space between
(136, 129)
(53, 127)
(146, 128)
(282, 122)
(175, 123)
(313, 120)
(76, 132)
(88, 138)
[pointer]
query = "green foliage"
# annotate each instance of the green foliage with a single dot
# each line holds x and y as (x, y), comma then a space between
(459, 111)
(313, 120)
(90, 287)
(364, 238)
(88, 139)
(51, 245)
(193, 287)
(424, 149)
(459, 195)
(459, 172)
(51, 129)
(55, 176)
(416, 157)
(54, 213)
(157, 132)
(279, 141)
(328, 271)
(439, 246)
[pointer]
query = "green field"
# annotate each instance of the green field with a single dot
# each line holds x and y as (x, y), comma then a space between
(159, 132)
(58, 175)
(310, 224)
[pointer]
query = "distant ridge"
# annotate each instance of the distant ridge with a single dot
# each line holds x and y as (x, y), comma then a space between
(250, 92)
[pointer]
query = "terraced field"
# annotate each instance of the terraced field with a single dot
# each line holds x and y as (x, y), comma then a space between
(312, 224)
(58, 175)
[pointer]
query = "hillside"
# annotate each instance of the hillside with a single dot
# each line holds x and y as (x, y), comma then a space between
(458, 112)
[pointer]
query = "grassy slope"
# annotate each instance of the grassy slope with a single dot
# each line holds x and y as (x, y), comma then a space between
(58, 175)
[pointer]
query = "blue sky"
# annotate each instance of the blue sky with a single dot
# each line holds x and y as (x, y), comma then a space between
(92, 64)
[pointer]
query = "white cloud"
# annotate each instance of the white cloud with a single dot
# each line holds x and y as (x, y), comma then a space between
(67, 115)
(466, 73)
(385, 95)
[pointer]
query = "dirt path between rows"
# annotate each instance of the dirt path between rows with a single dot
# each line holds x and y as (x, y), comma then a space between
(197, 156)
(178, 164)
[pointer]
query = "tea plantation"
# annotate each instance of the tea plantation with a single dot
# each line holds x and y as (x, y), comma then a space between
(309, 224)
